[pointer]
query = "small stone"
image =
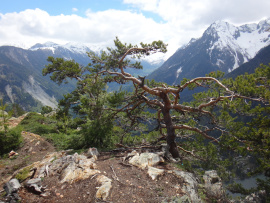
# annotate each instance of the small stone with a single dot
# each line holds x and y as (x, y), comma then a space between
(12, 154)
(36, 181)
(46, 194)
(92, 152)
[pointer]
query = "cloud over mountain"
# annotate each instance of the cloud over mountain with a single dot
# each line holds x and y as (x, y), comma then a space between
(178, 21)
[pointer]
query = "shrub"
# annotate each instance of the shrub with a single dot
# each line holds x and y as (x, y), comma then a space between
(10, 140)
(39, 124)
(98, 133)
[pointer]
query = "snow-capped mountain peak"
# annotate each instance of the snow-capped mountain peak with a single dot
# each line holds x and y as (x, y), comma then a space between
(71, 46)
(223, 46)
(77, 47)
(243, 41)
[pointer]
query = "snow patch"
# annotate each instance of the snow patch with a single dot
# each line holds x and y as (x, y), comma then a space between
(179, 70)
(219, 62)
(245, 40)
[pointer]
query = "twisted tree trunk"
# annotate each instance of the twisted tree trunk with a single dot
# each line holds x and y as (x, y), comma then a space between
(172, 147)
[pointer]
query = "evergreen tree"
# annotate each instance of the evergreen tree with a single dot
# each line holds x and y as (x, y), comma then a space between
(209, 117)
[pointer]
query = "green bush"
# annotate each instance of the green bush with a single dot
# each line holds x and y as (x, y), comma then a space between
(46, 109)
(64, 141)
(10, 140)
(38, 124)
(98, 133)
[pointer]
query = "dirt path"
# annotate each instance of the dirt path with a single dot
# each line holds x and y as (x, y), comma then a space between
(33, 149)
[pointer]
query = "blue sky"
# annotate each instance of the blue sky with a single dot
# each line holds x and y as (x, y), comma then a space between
(69, 7)
(98, 22)
(57, 7)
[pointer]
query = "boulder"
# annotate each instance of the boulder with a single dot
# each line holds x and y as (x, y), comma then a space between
(154, 172)
(70, 167)
(213, 184)
(73, 168)
(34, 185)
(104, 190)
(144, 160)
(256, 197)
(190, 186)
(12, 186)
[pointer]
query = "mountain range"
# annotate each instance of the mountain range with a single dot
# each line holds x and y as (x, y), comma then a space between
(223, 46)
(21, 79)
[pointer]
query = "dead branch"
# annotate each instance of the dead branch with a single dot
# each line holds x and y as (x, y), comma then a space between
(206, 78)
(186, 127)
(114, 173)
(190, 152)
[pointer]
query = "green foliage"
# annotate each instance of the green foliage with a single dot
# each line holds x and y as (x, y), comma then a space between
(62, 135)
(229, 118)
(115, 98)
(23, 174)
(94, 131)
(10, 140)
(264, 185)
(62, 69)
(95, 107)
(63, 141)
(46, 110)
(38, 124)
(4, 116)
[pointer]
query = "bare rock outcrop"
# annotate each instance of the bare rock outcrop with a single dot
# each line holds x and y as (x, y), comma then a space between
(144, 160)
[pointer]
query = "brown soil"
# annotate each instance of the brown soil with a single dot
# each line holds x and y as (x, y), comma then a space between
(130, 184)
(33, 149)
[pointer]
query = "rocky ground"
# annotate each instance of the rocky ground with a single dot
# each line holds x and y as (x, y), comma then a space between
(116, 176)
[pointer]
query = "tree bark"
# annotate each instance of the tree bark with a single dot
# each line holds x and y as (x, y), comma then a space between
(169, 126)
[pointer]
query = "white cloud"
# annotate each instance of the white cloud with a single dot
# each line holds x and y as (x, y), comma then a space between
(198, 12)
(74, 9)
(182, 20)
(189, 18)
(32, 26)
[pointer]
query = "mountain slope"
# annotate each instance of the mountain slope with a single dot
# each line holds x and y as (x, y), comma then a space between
(263, 57)
(21, 79)
(222, 47)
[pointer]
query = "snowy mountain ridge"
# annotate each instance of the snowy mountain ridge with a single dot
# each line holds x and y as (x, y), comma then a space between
(71, 46)
(79, 48)
(222, 46)
(245, 40)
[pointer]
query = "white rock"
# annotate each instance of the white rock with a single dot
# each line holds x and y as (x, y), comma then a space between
(154, 172)
(104, 190)
(146, 159)
(190, 186)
